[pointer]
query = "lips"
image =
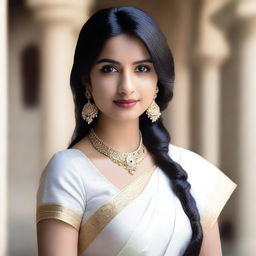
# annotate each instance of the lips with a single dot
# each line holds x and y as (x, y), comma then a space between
(126, 101)
(126, 104)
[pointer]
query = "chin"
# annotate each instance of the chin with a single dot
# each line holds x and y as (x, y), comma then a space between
(125, 118)
(122, 116)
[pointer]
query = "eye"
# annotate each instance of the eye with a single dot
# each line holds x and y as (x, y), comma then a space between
(143, 69)
(108, 69)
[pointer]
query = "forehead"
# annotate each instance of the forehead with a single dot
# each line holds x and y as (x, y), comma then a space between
(124, 47)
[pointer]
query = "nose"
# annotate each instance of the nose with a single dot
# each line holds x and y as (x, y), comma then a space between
(126, 84)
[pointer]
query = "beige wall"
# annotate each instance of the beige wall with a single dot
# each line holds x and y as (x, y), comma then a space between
(24, 137)
(3, 127)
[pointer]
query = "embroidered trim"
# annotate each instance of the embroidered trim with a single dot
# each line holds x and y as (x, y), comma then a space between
(220, 195)
(58, 212)
(108, 211)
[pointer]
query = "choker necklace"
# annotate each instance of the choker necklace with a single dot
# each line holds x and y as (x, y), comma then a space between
(128, 161)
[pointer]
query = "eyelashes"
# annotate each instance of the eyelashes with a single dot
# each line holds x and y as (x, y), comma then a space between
(143, 68)
(110, 69)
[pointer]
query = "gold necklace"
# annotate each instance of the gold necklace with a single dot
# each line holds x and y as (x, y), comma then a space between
(128, 161)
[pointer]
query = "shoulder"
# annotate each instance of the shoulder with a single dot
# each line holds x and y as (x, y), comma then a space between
(63, 157)
(210, 187)
(183, 156)
(200, 171)
(61, 182)
(61, 193)
(63, 162)
(194, 164)
(62, 170)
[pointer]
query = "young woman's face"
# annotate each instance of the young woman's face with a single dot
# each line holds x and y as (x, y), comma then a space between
(123, 79)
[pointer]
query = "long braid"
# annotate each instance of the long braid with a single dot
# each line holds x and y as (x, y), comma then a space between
(156, 138)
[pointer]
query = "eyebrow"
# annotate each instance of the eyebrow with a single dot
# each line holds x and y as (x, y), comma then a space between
(118, 63)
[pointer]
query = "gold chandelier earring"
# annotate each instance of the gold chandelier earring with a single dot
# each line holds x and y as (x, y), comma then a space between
(90, 110)
(153, 111)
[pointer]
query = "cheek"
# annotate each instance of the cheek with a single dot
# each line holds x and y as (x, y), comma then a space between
(149, 87)
(149, 81)
(102, 86)
(150, 95)
(102, 93)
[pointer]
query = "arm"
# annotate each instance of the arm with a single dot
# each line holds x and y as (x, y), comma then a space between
(211, 245)
(56, 238)
(60, 206)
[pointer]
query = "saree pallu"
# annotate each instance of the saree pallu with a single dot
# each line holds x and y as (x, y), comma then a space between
(146, 226)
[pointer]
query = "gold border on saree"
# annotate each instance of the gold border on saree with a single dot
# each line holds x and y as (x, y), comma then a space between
(58, 212)
(220, 197)
(97, 222)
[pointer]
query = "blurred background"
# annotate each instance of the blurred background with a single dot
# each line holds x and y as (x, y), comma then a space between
(213, 111)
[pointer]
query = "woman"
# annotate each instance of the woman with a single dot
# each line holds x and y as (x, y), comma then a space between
(121, 188)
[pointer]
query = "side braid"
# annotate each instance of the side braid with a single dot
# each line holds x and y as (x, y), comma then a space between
(156, 138)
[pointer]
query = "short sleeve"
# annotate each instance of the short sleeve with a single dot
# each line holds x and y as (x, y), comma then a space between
(61, 193)
(210, 187)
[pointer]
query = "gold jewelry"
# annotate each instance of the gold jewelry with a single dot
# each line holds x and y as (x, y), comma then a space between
(153, 111)
(90, 110)
(128, 161)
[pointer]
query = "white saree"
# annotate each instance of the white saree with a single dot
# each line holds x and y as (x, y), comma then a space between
(144, 218)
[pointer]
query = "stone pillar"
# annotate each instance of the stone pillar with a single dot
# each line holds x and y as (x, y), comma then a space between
(246, 15)
(3, 128)
(59, 20)
(211, 52)
(177, 116)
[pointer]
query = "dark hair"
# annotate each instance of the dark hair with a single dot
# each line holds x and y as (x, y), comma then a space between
(111, 22)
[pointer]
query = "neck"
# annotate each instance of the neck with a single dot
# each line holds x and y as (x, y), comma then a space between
(123, 136)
